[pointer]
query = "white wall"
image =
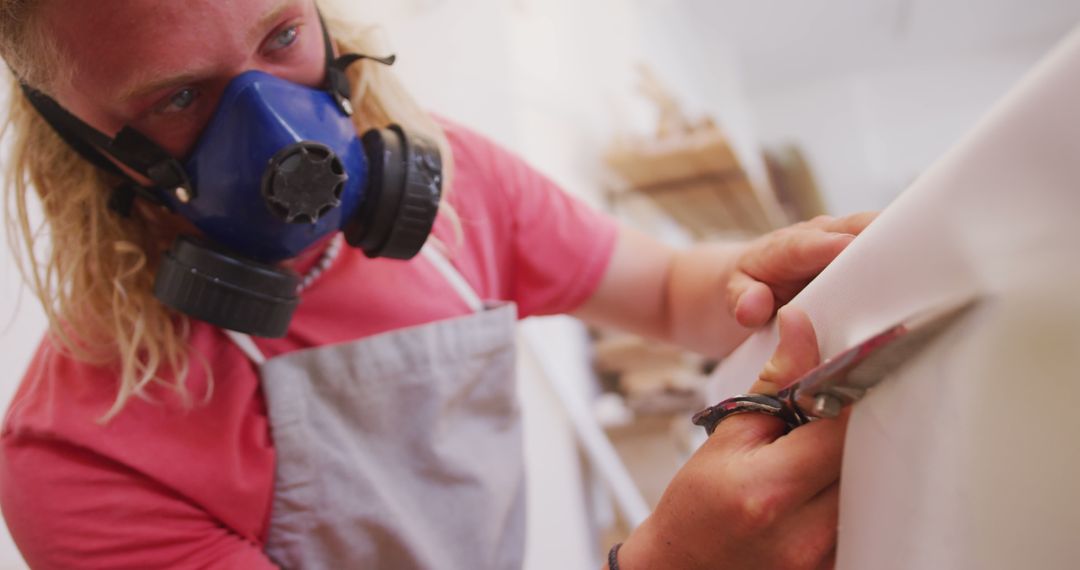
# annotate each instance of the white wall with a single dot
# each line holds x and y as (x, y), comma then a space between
(869, 134)
(21, 325)
(555, 80)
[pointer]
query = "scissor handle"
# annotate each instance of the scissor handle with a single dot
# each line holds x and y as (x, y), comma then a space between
(710, 417)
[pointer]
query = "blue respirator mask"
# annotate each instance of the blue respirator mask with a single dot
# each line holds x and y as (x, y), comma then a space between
(278, 169)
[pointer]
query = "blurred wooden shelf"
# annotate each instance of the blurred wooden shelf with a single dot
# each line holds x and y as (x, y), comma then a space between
(696, 179)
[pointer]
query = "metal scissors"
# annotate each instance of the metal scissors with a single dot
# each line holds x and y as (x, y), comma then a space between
(845, 378)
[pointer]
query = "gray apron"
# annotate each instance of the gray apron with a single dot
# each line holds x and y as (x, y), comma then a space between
(401, 450)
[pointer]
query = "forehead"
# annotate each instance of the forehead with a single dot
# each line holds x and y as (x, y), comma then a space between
(117, 41)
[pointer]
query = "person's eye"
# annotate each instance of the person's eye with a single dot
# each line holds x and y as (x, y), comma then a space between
(284, 38)
(179, 101)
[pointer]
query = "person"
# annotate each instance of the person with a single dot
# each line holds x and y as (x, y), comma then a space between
(227, 384)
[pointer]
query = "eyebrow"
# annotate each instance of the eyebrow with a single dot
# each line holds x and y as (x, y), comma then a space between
(256, 32)
(139, 88)
(142, 86)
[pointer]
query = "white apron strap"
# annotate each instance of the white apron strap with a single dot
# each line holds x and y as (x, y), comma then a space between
(246, 345)
(453, 277)
(457, 282)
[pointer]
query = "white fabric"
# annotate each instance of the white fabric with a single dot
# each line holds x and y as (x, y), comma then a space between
(966, 458)
(399, 450)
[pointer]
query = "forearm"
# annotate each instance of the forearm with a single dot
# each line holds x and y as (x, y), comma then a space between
(676, 296)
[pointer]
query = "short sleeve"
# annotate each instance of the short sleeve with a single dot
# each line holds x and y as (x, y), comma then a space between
(67, 507)
(556, 248)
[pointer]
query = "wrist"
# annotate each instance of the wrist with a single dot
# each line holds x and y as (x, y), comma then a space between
(613, 557)
(700, 302)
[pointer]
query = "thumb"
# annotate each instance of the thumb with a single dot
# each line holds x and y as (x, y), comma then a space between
(750, 301)
(795, 355)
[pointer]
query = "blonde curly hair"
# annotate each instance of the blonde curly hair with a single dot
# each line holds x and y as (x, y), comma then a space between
(93, 270)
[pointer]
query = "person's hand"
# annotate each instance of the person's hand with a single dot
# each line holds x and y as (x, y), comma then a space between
(776, 266)
(750, 497)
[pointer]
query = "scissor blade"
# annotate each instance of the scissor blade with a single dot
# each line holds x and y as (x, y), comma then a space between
(848, 375)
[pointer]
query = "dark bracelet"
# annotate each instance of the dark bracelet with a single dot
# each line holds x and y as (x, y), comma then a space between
(613, 557)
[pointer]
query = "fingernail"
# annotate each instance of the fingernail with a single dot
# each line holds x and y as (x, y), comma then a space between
(783, 315)
(740, 311)
(765, 387)
(771, 369)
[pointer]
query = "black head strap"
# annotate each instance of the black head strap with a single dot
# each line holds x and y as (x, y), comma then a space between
(136, 151)
(82, 138)
(337, 84)
(129, 147)
(144, 155)
(122, 197)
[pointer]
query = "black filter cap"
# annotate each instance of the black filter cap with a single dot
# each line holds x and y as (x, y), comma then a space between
(227, 290)
(303, 181)
(405, 184)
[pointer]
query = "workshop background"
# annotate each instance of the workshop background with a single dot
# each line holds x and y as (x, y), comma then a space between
(850, 99)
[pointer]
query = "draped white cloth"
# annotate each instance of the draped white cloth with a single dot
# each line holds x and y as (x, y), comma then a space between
(969, 456)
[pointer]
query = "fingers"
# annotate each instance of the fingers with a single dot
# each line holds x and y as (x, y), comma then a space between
(787, 259)
(745, 432)
(806, 460)
(749, 300)
(809, 251)
(777, 266)
(803, 250)
(809, 534)
(829, 562)
(803, 463)
(796, 353)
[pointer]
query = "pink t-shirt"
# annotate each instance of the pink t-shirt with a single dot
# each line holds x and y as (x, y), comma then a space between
(164, 485)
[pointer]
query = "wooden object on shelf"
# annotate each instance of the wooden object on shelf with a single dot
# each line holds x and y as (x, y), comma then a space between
(793, 180)
(653, 378)
(689, 170)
